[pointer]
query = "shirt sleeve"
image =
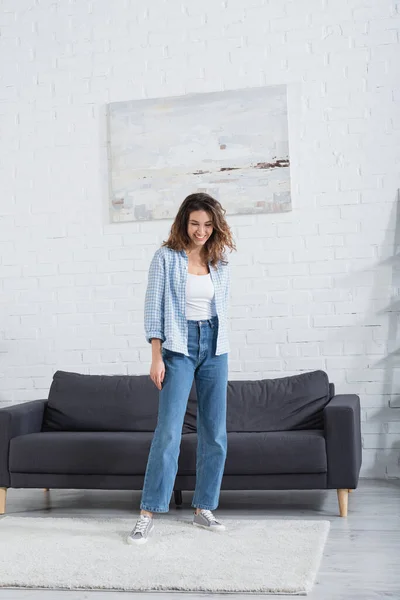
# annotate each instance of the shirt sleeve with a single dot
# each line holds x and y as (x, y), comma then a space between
(154, 300)
(227, 291)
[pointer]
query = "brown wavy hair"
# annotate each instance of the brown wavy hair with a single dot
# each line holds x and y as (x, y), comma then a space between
(221, 237)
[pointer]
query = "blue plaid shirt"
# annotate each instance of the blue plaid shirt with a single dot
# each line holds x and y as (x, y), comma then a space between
(165, 302)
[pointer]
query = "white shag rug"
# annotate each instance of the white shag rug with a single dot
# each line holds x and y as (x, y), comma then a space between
(251, 556)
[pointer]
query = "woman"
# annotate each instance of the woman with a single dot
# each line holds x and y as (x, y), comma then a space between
(186, 323)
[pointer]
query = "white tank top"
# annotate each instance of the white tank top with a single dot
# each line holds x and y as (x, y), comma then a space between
(200, 297)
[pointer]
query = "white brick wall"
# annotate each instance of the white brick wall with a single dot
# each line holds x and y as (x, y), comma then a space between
(313, 288)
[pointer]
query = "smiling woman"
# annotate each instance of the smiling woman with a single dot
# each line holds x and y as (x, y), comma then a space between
(200, 224)
(186, 322)
(200, 227)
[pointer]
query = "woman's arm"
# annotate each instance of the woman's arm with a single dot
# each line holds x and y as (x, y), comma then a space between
(156, 345)
(154, 317)
(157, 369)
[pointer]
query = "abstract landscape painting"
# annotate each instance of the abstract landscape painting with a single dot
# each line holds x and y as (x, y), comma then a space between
(233, 145)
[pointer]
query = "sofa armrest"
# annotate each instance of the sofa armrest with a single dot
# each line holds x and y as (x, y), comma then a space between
(14, 421)
(342, 422)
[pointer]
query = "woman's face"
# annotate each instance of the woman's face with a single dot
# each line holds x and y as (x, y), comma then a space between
(200, 228)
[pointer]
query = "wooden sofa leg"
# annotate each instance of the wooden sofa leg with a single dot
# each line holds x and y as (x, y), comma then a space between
(3, 495)
(343, 497)
(351, 491)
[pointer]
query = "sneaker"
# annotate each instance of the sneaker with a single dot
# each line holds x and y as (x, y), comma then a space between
(206, 519)
(140, 533)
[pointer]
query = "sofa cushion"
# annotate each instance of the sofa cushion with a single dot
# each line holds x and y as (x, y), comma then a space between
(72, 452)
(126, 453)
(80, 402)
(264, 453)
(282, 404)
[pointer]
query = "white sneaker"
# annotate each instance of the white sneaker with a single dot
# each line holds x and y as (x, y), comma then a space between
(206, 519)
(140, 533)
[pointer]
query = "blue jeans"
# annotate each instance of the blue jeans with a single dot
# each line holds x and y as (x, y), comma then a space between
(211, 375)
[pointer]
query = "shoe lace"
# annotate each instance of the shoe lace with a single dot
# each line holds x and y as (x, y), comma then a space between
(208, 514)
(141, 524)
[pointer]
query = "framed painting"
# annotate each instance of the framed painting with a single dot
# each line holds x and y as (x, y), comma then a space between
(233, 145)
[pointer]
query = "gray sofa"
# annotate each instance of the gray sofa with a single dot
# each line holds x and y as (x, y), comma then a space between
(95, 431)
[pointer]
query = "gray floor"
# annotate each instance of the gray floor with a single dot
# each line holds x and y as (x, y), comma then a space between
(361, 559)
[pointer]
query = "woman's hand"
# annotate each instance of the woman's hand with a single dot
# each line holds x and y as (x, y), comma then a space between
(157, 372)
